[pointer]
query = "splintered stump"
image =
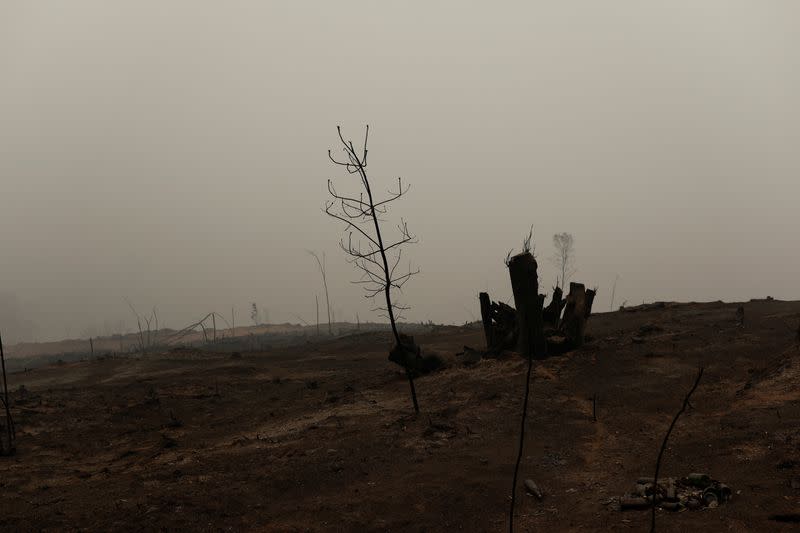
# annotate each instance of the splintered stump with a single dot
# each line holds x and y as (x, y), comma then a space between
(552, 313)
(575, 313)
(7, 445)
(486, 318)
(499, 324)
(590, 294)
(504, 327)
(522, 269)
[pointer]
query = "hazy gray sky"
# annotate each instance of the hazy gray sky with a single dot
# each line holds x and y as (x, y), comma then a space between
(175, 152)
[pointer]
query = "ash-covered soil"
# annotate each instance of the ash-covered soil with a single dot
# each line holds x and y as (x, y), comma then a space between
(321, 437)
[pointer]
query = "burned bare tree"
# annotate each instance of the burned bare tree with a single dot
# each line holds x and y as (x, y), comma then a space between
(376, 257)
(147, 336)
(323, 273)
(8, 446)
(254, 314)
(564, 256)
(316, 297)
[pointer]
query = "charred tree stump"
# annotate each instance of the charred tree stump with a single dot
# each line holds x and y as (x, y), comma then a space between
(504, 327)
(552, 313)
(590, 294)
(9, 446)
(525, 285)
(486, 317)
(575, 313)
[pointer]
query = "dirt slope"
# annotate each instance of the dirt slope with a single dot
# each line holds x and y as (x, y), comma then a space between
(320, 438)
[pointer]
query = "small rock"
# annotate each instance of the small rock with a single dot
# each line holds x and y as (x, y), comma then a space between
(699, 480)
(671, 506)
(470, 356)
(533, 488)
(694, 504)
(633, 503)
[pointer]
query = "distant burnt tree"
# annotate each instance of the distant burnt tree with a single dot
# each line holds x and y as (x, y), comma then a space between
(564, 256)
(377, 257)
(8, 433)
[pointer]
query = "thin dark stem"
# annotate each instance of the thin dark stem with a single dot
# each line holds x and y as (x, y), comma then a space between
(521, 431)
(388, 278)
(9, 421)
(413, 390)
(321, 265)
(664, 446)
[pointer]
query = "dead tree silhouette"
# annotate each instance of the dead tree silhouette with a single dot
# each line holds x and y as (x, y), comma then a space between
(564, 256)
(147, 338)
(363, 216)
(323, 273)
(8, 447)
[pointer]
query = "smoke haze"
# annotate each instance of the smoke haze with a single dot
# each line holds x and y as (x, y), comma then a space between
(175, 153)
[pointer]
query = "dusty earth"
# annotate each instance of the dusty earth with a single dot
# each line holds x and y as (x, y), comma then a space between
(320, 437)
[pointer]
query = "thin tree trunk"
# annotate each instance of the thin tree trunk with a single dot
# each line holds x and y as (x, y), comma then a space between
(155, 333)
(388, 286)
(664, 446)
(327, 297)
(614, 292)
(9, 421)
(141, 336)
(321, 265)
(525, 284)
